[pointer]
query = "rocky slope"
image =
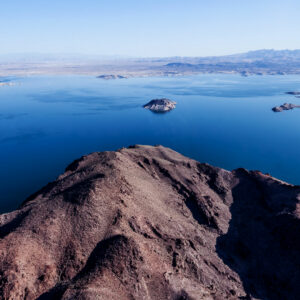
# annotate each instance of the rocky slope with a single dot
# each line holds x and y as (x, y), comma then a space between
(149, 223)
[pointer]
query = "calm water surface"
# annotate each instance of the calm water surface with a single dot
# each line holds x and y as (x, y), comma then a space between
(225, 120)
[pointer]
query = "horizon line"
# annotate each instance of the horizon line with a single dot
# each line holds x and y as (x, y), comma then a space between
(138, 56)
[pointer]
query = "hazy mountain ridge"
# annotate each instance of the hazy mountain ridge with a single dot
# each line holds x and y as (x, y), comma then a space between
(253, 62)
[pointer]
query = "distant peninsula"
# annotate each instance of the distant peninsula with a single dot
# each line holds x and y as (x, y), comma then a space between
(160, 105)
(6, 83)
(295, 93)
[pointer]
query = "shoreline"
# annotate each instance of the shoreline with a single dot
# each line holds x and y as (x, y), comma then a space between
(126, 75)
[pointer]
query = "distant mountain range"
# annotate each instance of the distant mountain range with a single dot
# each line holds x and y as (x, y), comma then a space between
(267, 55)
(259, 62)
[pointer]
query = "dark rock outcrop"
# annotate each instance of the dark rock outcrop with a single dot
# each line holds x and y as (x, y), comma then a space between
(160, 105)
(149, 223)
(285, 106)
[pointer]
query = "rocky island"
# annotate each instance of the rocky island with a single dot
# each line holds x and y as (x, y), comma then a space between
(160, 105)
(148, 223)
(285, 106)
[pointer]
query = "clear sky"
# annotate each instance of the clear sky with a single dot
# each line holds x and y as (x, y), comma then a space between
(148, 27)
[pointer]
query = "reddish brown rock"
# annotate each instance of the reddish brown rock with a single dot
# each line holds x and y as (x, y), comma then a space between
(149, 223)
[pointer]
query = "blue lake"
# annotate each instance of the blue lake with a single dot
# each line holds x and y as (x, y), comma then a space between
(225, 120)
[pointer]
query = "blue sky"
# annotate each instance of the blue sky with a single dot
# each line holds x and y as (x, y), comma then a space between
(148, 27)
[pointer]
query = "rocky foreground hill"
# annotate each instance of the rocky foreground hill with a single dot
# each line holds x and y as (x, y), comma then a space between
(149, 223)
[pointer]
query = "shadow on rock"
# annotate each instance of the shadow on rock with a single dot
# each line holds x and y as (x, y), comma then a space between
(263, 242)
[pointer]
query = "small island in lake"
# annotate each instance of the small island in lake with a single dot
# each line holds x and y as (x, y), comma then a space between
(160, 105)
(285, 106)
(111, 76)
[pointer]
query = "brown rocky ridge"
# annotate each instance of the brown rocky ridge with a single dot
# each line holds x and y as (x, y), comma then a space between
(148, 223)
